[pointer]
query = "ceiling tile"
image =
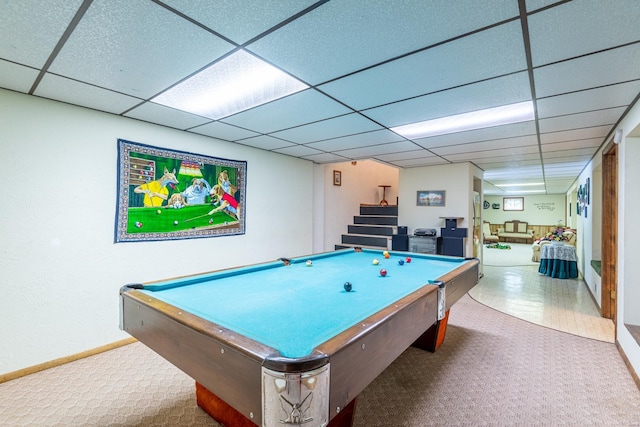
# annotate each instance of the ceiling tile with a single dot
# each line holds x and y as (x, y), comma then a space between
(102, 50)
(223, 131)
(359, 140)
(32, 28)
(77, 93)
(341, 37)
(570, 145)
(420, 161)
(605, 68)
(581, 120)
(487, 54)
(298, 151)
(581, 27)
(325, 158)
(499, 144)
(165, 116)
(266, 142)
(572, 135)
(486, 134)
(376, 150)
(301, 108)
(588, 100)
(490, 93)
(17, 77)
(405, 155)
(239, 24)
(331, 128)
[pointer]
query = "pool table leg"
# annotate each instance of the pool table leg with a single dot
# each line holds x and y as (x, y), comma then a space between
(220, 410)
(226, 415)
(434, 336)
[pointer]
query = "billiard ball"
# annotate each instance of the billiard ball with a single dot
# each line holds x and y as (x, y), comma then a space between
(348, 286)
(386, 254)
(158, 211)
(376, 262)
(309, 263)
(175, 222)
(400, 262)
(138, 224)
(383, 272)
(408, 259)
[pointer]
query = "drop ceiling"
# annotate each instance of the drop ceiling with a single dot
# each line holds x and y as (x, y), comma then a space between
(369, 66)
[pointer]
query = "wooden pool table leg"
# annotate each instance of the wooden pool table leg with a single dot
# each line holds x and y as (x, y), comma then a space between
(434, 336)
(222, 412)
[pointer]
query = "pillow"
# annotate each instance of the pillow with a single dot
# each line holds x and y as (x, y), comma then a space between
(508, 227)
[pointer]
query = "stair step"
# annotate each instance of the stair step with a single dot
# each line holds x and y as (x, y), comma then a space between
(364, 240)
(372, 229)
(378, 210)
(349, 245)
(375, 220)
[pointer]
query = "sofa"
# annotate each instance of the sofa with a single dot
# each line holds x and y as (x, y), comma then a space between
(536, 248)
(515, 231)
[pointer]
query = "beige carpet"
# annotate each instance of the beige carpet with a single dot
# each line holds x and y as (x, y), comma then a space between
(492, 370)
(519, 254)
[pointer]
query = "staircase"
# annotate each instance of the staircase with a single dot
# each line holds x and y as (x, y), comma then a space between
(371, 229)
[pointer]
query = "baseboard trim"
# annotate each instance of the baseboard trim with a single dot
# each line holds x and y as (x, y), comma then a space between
(63, 360)
(625, 359)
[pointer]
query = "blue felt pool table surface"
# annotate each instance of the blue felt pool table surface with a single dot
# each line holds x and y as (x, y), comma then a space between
(297, 307)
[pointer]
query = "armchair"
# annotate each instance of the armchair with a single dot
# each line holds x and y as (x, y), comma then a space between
(487, 237)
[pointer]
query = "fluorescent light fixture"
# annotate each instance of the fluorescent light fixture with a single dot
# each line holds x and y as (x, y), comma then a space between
(525, 191)
(524, 184)
(497, 116)
(236, 83)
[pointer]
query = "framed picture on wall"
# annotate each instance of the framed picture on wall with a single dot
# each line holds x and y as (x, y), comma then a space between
(337, 177)
(513, 203)
(430, 198)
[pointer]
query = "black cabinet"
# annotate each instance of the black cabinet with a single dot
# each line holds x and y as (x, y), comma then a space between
(423, 244)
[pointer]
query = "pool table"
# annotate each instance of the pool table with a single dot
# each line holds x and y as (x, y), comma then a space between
(286, 342)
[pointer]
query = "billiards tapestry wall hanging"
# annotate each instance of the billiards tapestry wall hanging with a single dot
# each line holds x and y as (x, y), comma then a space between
(168, 195)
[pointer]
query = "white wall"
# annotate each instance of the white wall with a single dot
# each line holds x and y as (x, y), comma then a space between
(360, 183)
(456, 180)
(539, 209)
(60, 271)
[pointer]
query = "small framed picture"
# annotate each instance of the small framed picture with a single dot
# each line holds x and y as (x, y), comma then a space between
(337, 177)
(430, 198)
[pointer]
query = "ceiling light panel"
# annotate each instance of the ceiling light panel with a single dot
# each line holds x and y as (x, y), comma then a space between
(497, 116)
(236, 83)
(487, 54)
(337, 37)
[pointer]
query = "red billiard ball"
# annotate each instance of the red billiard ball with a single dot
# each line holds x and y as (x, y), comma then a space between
(383, 272)
(408, 259)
